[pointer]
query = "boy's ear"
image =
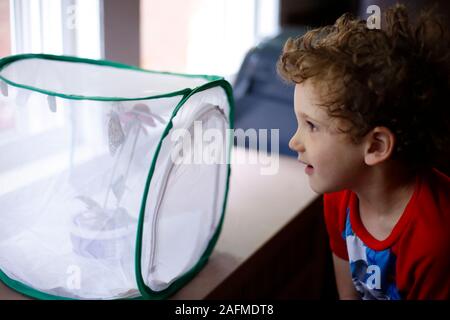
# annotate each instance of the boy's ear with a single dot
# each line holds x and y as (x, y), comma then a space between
(379, 145)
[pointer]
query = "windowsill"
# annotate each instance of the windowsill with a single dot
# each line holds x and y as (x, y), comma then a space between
(259, 206)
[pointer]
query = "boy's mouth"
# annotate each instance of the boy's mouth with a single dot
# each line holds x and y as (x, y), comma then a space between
(309, 169)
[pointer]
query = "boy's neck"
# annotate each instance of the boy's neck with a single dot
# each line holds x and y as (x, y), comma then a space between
(385, 191)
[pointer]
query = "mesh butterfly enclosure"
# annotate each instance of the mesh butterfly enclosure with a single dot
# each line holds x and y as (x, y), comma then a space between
(113, 179)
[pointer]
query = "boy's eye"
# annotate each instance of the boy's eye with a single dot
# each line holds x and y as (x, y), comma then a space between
(311, 125)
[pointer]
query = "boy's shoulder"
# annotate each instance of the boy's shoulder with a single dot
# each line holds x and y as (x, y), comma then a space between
(433, 206)
(439, 183)
(433, 195)
(428, 235)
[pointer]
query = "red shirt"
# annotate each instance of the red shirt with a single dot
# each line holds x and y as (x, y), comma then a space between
(413, 262)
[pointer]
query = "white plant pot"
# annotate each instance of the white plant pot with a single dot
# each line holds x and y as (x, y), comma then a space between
(103, 234)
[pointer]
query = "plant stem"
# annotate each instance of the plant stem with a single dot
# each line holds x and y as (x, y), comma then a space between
(131, 156)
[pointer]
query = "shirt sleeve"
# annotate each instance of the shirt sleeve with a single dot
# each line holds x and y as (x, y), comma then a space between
(431, 277)
(334, 219)
(423, 261)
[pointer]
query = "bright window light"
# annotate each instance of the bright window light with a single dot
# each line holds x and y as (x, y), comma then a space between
(203, 36)
(57, 27)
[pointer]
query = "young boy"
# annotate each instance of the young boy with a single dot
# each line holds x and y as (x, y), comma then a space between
(373, 118)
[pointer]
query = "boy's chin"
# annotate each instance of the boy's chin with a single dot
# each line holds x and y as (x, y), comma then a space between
(321, 188)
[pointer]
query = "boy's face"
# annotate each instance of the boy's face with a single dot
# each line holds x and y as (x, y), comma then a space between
(332, 161)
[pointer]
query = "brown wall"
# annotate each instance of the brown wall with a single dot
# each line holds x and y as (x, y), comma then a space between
(121, 30)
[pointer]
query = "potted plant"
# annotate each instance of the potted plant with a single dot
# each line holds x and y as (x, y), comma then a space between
(107, 231)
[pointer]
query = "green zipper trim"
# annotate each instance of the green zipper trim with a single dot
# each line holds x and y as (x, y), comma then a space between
(146, 291)
(36, 294)
(26, 290)
(10, 59)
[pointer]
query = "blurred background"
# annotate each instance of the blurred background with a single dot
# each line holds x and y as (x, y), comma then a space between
(238, 39)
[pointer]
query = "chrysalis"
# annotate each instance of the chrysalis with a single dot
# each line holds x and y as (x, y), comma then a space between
(115, 133)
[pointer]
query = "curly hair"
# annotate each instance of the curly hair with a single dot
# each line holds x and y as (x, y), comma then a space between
(397, 77)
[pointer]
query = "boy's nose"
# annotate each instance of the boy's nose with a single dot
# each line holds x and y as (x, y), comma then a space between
(296, 145)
